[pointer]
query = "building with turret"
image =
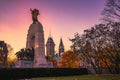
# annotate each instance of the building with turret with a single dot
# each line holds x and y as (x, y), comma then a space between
(50, 47)
(3, 54)
(51, 56)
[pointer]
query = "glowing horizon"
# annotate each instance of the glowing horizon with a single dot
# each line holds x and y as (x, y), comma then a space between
(63, 17)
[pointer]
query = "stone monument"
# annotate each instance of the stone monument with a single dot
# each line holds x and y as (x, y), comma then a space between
(35, 39)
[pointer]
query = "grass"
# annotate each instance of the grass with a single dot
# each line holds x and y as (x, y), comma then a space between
(83, 77)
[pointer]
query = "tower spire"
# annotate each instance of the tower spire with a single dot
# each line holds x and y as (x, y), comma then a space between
(61, 43)
(50, 45)
(49, 32)
(61, 46)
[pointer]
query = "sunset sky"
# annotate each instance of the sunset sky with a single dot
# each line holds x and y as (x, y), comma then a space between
(62, 17)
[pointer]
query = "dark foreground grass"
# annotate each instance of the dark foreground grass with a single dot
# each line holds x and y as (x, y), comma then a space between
(84, 77)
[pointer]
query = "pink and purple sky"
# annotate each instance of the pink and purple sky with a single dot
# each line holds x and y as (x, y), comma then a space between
(62, 17)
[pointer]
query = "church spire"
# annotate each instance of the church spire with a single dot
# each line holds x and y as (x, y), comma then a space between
(61, 46)
(61, 42)
(49, 32)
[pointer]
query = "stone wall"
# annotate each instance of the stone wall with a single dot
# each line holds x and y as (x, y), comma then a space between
(24, 64)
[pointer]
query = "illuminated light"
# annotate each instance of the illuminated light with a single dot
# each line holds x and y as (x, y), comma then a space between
(1, 48)
(36, 46)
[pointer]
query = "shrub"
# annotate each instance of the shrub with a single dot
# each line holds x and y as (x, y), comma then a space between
(21, 73)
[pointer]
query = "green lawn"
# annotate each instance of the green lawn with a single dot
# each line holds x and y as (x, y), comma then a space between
(83, 77)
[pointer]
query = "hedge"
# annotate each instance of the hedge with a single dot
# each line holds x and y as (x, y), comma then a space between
(21, 73)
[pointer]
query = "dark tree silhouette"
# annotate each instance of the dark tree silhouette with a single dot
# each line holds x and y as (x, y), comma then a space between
(111, 12)
(99, 44)
(3, 52)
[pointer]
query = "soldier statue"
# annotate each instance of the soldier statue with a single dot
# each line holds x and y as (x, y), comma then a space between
(34, 13)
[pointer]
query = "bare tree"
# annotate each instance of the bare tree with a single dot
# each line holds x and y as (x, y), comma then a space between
(111, 12)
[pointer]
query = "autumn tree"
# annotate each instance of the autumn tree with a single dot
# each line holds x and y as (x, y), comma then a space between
(99, 44)
(11, 55)
(69, 60)
(6, 54)
(111, 15)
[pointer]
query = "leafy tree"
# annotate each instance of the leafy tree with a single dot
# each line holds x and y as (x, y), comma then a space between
(99, 44)
(69, 60)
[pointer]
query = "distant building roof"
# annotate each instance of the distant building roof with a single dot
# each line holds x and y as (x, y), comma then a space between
(50, 40)
(57, 57)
